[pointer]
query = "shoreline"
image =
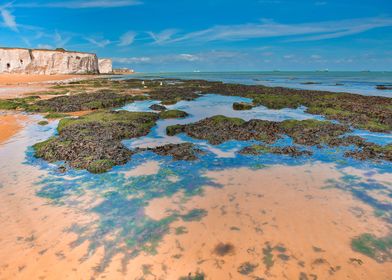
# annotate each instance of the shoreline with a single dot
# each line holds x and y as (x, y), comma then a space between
(20, 85)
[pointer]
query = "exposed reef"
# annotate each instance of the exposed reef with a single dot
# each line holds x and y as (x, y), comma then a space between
(183, 151)
(219, 129)
(240, 106)
(173, 114)
(372, 113)
(93, 142)
(82, 102)
(94, 153)
(157, 107)
(263, 149)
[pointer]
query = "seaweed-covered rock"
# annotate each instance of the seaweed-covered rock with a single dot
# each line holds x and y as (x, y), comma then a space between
(219, 129)
(371, 151)
(261, 149)
(239, 106)
(93, 142)
(157, 107)
(82, 102)
(312, 132)
(183, 151)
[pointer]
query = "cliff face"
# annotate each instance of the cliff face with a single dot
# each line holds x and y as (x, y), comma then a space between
(25, 61)
(105, 66)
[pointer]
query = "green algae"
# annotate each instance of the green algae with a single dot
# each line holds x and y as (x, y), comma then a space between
(194, 215)
(268, 257)
(25, 103)
(43, 123)
(197, 276)
(240, 106)
(246, 268)
(173, 114)
(379, 249)
(181, 230)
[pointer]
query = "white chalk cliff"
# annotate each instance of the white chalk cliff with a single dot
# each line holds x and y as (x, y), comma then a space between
(105, 66)
(49, 62)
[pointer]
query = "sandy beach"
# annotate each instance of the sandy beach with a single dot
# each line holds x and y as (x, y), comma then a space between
(10, 124)
(19, 85)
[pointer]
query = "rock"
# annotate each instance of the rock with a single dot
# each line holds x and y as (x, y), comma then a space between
(238, 106)
(157, 107)
(105, 66)
(384, 87)
(93, 141)
(289, 150)
(183, 151)
(48, 62)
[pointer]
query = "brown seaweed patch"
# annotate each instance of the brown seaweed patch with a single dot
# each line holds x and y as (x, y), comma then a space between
(247, 268)
(223, 249)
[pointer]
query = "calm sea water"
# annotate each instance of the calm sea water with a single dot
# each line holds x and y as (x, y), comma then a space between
(353, 82)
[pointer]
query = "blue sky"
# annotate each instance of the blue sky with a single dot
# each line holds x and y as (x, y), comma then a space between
(209, 35)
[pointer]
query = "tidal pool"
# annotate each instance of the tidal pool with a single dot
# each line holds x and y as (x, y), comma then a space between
(224, 216)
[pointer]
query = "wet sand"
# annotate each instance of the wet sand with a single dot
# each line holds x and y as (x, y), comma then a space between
(281, 213)
(10, 125)
(284, 211)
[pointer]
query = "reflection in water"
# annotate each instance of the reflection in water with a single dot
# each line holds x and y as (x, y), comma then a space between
(226, 215)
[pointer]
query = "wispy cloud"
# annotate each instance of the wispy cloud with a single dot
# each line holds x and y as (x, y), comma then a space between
(101, 43)
(297, 32)
(163, 37)
(61, 40)
(83, 4)
(132, 60)
(8, 18)
(211, 57)
(127, 39)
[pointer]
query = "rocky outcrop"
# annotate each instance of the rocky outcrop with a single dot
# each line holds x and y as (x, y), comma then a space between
(105, 66)
(49, 62)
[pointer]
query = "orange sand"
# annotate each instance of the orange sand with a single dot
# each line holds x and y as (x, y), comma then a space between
(10, 125)
(18, 85)
(15, 79)
(281, 205)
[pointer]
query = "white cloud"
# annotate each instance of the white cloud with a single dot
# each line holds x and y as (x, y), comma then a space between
(60, 41)
(211, 56)
(8, 19)
(127, 39)
(300, 32)
(45, 46)
(187, 57)
(164, 36)
(132, 60)
(81, 4)
(99, 43)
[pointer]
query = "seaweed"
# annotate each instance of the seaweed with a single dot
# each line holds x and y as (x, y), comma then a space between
(376, 248)
(247, 268)
(194, 215)
(173, 114)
